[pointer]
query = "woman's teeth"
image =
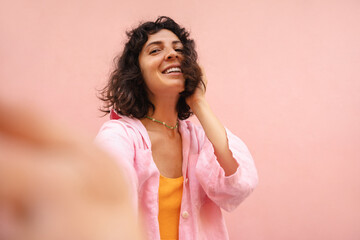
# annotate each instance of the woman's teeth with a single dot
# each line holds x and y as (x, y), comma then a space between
(173, 69)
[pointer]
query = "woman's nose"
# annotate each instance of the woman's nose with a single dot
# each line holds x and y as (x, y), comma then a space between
(172, 54)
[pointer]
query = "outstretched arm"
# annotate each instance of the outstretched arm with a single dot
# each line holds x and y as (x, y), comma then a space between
(56, 184)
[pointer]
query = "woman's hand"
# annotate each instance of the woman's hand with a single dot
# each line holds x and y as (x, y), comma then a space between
(199, 94)
(55, 184)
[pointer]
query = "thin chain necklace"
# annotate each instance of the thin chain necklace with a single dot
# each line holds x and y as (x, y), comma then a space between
(163, 123)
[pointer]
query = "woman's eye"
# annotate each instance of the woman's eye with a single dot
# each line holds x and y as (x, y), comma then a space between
(179, 50)
(154, 51)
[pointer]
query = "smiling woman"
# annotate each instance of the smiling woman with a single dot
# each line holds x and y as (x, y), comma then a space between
(126, 88)
(180, 174)
(160, 63)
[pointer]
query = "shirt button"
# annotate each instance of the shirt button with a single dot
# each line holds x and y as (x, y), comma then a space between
(186, 180)
(185, 214)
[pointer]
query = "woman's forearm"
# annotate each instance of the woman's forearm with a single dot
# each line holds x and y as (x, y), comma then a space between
(216, 133)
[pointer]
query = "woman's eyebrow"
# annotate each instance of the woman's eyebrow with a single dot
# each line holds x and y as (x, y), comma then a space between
(160, 42)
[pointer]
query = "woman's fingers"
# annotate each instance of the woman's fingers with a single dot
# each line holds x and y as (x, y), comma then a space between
(204, 78)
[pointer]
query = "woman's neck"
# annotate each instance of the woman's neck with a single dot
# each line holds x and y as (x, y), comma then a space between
(165, 110)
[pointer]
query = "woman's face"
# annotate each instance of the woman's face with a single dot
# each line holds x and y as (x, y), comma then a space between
(160, 60)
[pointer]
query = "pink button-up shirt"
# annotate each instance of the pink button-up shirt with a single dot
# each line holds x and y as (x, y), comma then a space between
(206, 189)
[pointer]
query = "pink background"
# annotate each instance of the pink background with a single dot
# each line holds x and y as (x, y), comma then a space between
(283, 75)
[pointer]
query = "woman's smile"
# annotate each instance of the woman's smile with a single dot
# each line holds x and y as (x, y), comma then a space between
(160, 60)
(173, 71)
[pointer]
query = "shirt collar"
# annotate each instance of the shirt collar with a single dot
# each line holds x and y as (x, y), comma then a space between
(138, 125)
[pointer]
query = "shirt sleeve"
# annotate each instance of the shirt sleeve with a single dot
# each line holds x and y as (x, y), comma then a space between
(226, 191)
(116, 139)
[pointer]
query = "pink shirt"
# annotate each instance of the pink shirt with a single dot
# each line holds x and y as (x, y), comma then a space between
(206, 189)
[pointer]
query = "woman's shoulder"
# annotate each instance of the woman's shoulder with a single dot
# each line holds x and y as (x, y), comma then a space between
(120, 126)
(121, 121)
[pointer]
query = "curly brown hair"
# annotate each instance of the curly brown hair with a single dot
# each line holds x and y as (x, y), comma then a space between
(125, 91)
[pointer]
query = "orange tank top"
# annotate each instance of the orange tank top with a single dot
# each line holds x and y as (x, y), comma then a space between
(170, 194)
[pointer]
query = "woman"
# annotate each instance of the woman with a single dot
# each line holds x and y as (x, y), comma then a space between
(181, 174)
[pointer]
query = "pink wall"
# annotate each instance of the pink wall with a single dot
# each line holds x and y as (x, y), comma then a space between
(283, 75)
